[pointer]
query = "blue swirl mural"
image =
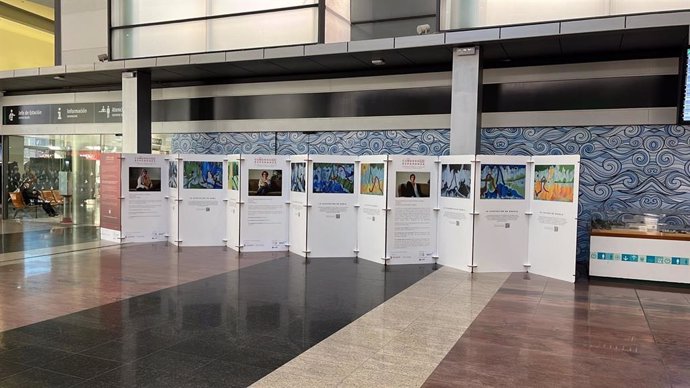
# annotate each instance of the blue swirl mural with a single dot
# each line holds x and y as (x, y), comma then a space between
(622, 167)
(411, 142)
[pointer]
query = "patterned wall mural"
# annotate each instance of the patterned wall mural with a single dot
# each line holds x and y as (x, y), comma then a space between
(412, 142)
(622, 167)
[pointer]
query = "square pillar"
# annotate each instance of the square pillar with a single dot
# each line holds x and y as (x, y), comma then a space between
(136, 112)
(466, 102)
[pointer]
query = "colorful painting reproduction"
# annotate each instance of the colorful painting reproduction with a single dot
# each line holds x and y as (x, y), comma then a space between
(202, 175)
(372, 179)
(456, 180)
(334, 178)
(234, 175)
(172, 174)
(503, 181)
(554, 182)
(298, 177)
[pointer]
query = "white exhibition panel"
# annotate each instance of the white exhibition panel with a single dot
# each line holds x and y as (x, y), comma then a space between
(144, 214)
(264, 194)
(332, 217)
(297, 220)
(639, 258)
(553, 192)
(411, 227)
(201, 204)
(456, 214)
(174, 167)
(111, 235)
(371, 213)
(501, 225)
(234, 201)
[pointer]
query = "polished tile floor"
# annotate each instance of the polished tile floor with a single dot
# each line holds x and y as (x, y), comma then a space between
(226, 330)
(151, 315)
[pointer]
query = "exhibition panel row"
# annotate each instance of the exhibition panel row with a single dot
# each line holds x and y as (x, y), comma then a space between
(472, 212)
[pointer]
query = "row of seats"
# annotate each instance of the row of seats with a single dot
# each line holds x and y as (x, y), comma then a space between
(52, 196)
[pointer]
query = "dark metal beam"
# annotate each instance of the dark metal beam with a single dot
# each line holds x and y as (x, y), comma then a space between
(26, 18)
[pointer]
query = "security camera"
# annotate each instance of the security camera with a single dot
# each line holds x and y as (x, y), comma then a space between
(104, 57)
(423, 29)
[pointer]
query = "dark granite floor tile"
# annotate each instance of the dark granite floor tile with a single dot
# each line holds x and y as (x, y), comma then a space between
(81, 366)
(203, 348)
(37, 378)
(124, 351)
(10, 368)
(228, 374)
(173, 362)
(258, 357)
(134, 375)
(33, 355)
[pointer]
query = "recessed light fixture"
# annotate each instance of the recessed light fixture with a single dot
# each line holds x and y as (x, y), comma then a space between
(378, 62)
(59, 77)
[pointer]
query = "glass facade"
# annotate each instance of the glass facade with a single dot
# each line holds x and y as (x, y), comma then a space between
(158, 27)
(69, 164)
(462, 14)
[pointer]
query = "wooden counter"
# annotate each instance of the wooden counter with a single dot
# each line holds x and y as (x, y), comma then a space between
(631, 233)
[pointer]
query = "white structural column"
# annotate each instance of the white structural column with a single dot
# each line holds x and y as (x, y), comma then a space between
(465, 113)
(136, 112)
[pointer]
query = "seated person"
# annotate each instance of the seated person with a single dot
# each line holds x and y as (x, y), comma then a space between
(144, 182)
(264, 184)
(33, 197)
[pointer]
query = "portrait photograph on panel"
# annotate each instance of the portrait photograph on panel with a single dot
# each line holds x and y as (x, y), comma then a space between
(412, 184)
(144, 179)
(265, 182)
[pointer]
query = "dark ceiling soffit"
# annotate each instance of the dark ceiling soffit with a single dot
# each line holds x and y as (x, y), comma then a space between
(421, 59)
(26, 18)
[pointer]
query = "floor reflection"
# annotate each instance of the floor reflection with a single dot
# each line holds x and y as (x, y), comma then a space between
(226, 330)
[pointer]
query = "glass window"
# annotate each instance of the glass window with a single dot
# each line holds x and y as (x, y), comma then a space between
(458, 14)
(127, 12)
(162, 39)
(53, 161)
(279, 28)
(224, 7)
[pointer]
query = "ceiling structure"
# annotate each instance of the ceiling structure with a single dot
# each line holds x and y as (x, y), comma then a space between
(505, 46)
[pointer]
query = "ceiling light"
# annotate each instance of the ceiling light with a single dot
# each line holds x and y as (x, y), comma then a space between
(378, 62)
(59, 77)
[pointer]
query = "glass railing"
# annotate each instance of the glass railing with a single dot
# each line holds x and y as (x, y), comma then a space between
(468, 14)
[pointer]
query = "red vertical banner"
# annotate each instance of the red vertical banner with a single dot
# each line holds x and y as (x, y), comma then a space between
(110, 191)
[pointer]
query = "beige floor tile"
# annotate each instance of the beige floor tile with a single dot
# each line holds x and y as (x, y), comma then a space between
(320, 370)
(400, 364)
(371, 378)
(390, 317)
(415, 348)
(283, 379)
(337, 352)
(358, 334)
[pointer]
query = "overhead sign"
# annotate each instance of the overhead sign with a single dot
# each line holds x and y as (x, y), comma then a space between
(100, 112)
